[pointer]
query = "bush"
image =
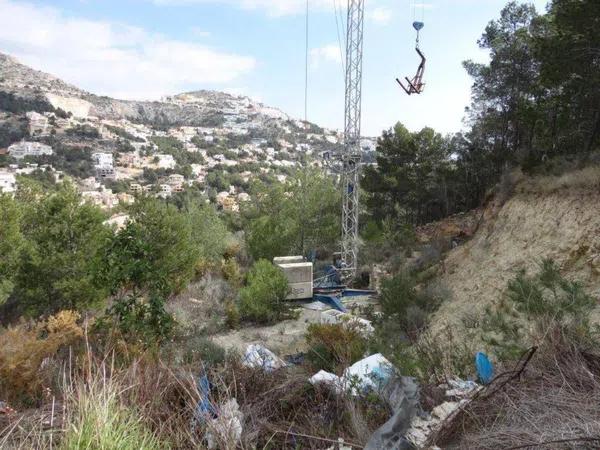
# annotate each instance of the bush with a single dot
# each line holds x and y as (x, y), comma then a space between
(263, 298)
(231, 271)
(533, 305)
(24, 347)
(200, 349)
(406, 305)
(333, 347)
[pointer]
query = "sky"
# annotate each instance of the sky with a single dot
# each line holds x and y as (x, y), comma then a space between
(146, 49)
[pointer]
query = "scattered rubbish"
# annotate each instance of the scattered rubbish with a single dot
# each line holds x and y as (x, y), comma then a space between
(422, 428)
(485, 369)
(402, 395)
(257, 356)
(225, 431)
(295, 359)
(372, 372)
(327, 378)
(5, 409)
(460, 388)
(205, 408)
(340, 446)
(316, 306)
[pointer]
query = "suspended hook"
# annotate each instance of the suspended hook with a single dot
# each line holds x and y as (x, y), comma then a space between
(418, 26)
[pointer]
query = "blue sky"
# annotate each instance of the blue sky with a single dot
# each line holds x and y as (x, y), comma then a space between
(144, 49)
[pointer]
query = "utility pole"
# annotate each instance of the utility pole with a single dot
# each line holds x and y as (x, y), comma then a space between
(350, 158)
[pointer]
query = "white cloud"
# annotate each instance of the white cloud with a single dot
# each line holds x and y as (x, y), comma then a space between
(381, 15)
(272, 7)
(329, 54)
(109, 58)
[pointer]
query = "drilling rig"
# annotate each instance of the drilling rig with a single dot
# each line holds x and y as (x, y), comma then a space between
(350, 157)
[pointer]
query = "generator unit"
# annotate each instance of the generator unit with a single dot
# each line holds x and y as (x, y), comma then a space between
(299, 274)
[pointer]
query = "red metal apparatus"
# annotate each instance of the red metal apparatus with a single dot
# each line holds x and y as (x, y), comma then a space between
(416, 85)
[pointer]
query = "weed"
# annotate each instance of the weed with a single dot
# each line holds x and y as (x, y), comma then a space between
(333, 347)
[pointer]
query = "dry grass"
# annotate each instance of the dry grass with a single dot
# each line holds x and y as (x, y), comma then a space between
(587, 179)
(553, 406)
(282, 410)
(27, 350)
(151, 405)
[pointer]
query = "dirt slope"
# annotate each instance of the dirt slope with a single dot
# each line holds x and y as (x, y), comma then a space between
(556, 217)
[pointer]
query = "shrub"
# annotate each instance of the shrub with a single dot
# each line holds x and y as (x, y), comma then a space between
(232, 315)
(263, 298)
(533, 305)
(333, 347)
(231, 271)
(200, 349)
(433, 357)
(24, 347)
(405, 304)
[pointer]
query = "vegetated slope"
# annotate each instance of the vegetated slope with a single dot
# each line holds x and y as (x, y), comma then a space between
(200, 108)
(546, 217)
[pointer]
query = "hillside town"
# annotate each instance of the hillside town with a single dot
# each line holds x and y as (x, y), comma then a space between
(113, 160)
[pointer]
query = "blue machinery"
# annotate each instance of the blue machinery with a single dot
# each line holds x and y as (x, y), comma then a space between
(328, 289)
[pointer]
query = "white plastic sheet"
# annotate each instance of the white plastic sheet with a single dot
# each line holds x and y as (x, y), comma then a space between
(261, 357)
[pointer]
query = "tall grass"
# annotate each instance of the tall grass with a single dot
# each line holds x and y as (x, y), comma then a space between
(97, 418)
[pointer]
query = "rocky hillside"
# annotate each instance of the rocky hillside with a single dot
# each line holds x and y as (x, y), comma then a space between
(201, 108)
(546, 217)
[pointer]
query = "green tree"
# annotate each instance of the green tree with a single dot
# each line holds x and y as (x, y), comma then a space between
(263, 298)
(58, 262)
(151, 258)
(412, 180)
(11, 242)
(294, 217)
(505, 92)
(567, 42)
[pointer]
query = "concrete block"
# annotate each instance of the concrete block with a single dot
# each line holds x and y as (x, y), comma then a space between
(298, 272)
(300, 291)
(287, 260)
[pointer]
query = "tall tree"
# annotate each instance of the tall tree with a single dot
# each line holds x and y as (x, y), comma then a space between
(297, 216)
(412, 179)
(58, 262)
(568, 46)
(503, 112)
(11, 242)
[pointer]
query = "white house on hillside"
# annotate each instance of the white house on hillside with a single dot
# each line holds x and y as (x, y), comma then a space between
(22, 149)
(8, 182)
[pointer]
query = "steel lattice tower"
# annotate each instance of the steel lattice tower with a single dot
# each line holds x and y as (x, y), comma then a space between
(351, 156)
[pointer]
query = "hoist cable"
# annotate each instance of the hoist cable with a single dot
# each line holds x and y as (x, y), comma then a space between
(306, 70)
(337, 26)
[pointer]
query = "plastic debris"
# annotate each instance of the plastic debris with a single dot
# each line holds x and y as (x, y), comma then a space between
(461, 388)
(205, 408)
(225, 431)
(327, 378)
(485, 369)
(257, 356)
(422, 428)
(372, 372)
(5, 409)
(400, 393)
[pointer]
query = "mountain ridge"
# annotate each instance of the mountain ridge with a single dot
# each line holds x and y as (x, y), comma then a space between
(193, 108)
